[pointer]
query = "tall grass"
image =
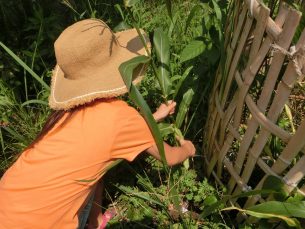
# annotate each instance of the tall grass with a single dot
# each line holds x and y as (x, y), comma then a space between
(20, 123)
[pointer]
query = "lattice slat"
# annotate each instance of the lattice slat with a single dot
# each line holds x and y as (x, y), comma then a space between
(242, 119)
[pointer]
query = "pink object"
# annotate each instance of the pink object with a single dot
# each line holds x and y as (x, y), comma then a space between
(106, 217)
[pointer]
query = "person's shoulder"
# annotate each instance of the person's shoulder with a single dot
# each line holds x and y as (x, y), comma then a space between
(101, 104)
(124, 109)
(114, 106)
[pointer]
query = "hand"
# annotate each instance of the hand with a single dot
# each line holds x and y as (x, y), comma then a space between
(164, 110)
(188, 146)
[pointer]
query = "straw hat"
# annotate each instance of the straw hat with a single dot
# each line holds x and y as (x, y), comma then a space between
(88, 56)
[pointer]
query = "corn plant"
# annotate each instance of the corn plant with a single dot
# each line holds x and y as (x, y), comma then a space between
(169, 89)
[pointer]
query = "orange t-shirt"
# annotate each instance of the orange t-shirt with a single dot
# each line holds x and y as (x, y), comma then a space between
(44, 188)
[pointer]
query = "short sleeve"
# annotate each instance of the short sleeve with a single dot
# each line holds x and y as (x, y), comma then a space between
(132, 135)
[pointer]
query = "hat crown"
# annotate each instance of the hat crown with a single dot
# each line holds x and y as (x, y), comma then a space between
(84, 46)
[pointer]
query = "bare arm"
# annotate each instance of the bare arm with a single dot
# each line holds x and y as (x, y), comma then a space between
(164, 110)
(174, 154)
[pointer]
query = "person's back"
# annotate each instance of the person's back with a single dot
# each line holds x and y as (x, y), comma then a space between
(58, 173)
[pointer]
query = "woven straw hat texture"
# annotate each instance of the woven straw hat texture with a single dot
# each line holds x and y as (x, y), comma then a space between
(88, 56)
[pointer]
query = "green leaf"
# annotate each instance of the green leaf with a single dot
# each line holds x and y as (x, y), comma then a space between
(210, 200)
(34, 101)
(161, 45)
(184, 106)
(277, 185)
(172, 24)
(121, 27)
(25, 66)
(191, 15)
(165, 129)
(126, 69)
(209, 210)
(291, 222)
(169, 8)
(293, 209)
(130, 3)
(295, 198)
(290, 117)
(119, 9)
(15, 134)
(143, 195)
(178, 133)
(217, 10)
(181, 80)
(192, 50)
(149, 187)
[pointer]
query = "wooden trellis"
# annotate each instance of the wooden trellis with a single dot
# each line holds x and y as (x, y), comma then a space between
(261, 74)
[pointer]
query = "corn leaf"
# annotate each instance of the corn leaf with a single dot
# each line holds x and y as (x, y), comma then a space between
(181, 80)
(291, 222)
(184, 106)
(217, 10)
(291, 209)
(192, 50)
(169, 8)
(210, 209)
(25, 66)
(161, 45)
(165, 129)
(191, 15)
(172, 25)
(126, 69)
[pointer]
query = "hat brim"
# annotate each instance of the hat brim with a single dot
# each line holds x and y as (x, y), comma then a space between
(106, 83)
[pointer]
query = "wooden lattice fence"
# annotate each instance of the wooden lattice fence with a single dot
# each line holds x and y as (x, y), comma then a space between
(262, 77)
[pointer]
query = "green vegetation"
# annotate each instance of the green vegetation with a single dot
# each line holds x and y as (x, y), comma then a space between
(182, 69)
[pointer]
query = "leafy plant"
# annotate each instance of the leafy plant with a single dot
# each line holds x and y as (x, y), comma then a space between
(162, 68)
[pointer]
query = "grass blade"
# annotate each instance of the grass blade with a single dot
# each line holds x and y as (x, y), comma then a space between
(25, 66)
(15, 134)
(130, 3)
(34, 101)
(129, 191)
